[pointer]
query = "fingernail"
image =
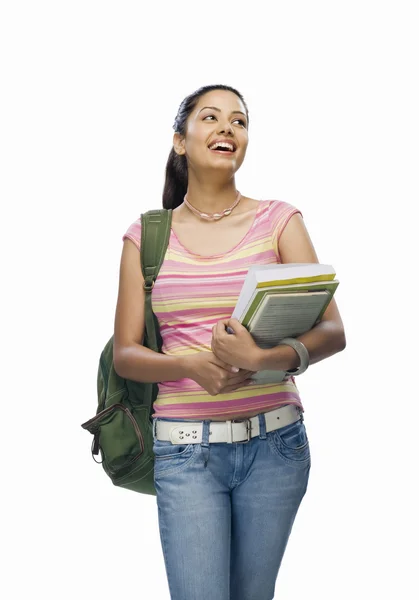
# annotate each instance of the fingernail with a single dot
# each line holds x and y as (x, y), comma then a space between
(235, 369)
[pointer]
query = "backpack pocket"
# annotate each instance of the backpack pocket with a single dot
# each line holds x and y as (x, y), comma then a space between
(118, 436)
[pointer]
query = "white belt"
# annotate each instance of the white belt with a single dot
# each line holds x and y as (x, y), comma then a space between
(225, 431)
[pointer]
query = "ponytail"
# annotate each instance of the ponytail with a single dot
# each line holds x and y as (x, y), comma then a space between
(176, 183)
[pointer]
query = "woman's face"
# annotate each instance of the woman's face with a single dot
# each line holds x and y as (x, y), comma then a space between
(219, 114)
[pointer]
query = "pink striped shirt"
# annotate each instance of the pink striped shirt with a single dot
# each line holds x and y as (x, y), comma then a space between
(192, 293)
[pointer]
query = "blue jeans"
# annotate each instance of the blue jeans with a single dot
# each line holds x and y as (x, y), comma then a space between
(226, 511)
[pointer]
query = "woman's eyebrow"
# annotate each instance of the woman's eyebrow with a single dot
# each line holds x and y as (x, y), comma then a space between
(219, 110)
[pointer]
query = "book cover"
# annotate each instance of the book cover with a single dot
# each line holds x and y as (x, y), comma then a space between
(276, 275)
(256, 300)
(286, 315)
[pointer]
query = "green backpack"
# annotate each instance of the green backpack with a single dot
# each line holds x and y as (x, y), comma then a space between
(122, 427)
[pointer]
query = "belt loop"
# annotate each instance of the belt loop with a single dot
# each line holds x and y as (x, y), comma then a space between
(205, 441)
(262, 427)
(229, 432)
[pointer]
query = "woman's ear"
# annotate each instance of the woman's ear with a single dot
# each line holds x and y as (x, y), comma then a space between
(179, 143)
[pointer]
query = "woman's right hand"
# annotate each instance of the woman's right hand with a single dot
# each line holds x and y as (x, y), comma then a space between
(214, 375)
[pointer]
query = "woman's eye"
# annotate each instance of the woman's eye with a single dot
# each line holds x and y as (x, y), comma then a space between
(239, 120)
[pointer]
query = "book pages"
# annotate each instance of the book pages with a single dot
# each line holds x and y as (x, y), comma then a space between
(286, 315)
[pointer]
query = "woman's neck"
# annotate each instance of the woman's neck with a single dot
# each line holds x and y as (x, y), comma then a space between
(210, 198)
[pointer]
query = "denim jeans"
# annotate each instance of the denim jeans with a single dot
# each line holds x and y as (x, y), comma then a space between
(226, 511)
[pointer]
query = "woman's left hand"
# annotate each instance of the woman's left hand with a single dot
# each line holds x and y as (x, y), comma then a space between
(237, 349)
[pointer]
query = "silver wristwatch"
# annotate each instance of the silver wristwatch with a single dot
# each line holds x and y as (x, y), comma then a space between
(302, 352)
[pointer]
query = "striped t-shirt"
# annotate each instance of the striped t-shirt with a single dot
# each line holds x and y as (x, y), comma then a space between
(192, 293)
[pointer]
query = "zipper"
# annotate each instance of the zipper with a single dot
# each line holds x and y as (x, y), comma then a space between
(133, 422)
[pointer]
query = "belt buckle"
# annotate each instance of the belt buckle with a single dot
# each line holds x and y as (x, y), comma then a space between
(248, 430)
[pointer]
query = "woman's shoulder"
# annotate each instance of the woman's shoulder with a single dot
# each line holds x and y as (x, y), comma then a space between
(272, 205)
(278, 206)
(279, 212)
(133, 233)
(274, 211)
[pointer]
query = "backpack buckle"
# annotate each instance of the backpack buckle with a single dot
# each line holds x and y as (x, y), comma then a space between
(148, 286)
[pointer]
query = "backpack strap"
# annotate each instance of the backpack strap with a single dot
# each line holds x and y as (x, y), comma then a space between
(155, 233)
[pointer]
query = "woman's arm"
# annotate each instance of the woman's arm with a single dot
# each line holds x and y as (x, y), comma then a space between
(328, 336)
(131, 359)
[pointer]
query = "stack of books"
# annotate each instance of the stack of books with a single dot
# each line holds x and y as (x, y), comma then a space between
(283, 300)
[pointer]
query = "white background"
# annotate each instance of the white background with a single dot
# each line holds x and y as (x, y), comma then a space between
(90, 90)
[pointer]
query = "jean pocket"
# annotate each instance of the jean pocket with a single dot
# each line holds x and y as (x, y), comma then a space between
(291, 443)
(170, 458)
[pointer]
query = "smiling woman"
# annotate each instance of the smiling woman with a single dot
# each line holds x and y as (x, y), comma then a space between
(232, 457)
(211, 133)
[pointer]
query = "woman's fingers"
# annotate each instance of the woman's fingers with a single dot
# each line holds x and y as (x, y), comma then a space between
(234, 387)
(224, 365)
(239, 377)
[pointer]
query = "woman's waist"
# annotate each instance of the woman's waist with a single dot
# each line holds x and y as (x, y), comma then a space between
(223, 411)
(189, 393)
(246, 414)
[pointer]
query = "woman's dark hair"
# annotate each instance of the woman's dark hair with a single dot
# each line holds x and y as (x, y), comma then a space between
(176, 183)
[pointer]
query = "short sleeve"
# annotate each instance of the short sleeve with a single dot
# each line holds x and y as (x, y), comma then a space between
(280, 213)
(134, 233)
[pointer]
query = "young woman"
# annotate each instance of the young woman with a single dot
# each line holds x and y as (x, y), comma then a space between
(232, 457)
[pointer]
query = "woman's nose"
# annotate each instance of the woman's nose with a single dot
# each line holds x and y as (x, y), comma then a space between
(225, 128)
